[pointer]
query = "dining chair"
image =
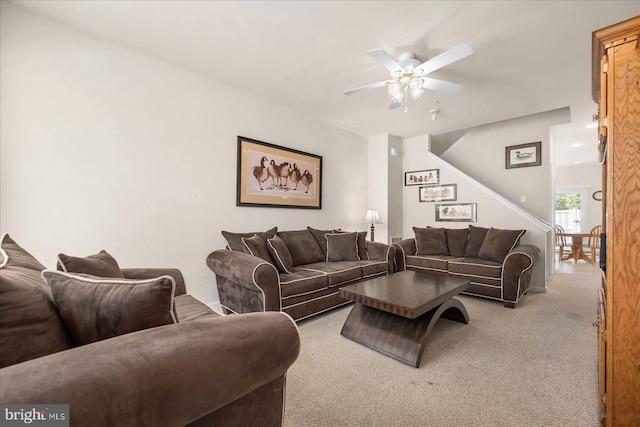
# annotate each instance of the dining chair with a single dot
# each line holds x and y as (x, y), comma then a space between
(593, 243)
(561, 241)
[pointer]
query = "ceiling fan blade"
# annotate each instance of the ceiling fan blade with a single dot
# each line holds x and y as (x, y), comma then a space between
(454, 54)
(394, 104)
(442, 86)
(363, 88)
(385, 59)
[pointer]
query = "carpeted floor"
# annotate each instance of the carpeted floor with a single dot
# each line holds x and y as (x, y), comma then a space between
(531, 366)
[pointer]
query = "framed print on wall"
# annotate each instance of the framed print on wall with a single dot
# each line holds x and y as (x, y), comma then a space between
(274, 176)
(456, 212)
(523, 155)
(438, 193)
(431, 176)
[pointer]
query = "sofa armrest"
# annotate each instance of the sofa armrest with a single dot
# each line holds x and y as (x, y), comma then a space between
(170, 375)
(381, 252)
(403, 248)
(152, 273)
(245, 282)
(520, 268)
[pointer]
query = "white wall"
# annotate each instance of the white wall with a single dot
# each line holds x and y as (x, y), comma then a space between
(106, 148)
(482, 156)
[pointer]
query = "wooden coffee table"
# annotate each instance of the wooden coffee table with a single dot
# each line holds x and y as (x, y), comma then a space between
(394, 314)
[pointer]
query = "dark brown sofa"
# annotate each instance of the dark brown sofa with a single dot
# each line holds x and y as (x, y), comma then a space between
(251, 277)
(496, 264)
(206, 369)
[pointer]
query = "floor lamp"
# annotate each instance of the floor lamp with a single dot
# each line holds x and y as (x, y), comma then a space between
(372, 217)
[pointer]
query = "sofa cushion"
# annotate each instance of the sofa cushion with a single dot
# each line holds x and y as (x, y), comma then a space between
(475, 240)
(319, 236)
(372, 268)
(342, 247)
(257, 246)
(30, 325)
(280, 254)
(302, 246)
(431, 241)
(429, 262)
(338, 272)
(498, 243)
(234, 240)
(479, 268)
(95, 308)
(302, 281)
(188, 308)
(457, 240)
(101, 264)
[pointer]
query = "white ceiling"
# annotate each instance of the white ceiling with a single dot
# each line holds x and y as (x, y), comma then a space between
(529, 56)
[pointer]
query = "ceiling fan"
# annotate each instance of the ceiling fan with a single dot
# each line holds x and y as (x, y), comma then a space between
(408, 74)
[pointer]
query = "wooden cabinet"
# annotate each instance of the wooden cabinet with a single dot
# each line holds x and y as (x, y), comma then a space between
(616, 88)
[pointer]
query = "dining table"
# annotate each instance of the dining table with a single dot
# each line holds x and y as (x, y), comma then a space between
(577, 248)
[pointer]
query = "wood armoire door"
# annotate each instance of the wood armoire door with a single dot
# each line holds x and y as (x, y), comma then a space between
(619, 99)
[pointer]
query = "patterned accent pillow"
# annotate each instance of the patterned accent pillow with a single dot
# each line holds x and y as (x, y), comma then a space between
(95, 308)
(431, 241)
(101, 264)
(257, 246)
(280, 254)
(498, 243)
(342, 247)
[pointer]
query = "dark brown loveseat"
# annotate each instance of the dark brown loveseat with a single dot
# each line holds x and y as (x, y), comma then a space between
(298, 272)
(204, 370)
(496, 264)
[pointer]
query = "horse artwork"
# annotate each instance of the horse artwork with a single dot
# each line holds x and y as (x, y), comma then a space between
(272, 175)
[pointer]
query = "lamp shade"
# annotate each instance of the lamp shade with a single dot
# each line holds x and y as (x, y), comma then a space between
(372, 217)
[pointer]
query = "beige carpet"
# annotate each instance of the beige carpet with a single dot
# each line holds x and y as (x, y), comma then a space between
(531, 366)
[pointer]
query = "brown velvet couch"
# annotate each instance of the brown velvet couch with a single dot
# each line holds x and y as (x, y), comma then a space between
(251, 274)
(206, 369)
(496, 264)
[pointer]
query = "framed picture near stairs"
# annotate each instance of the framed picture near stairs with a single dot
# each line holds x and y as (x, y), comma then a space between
(523, 155)
(271, 175)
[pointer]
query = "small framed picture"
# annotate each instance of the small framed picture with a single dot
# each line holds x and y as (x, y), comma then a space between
(438, 193)
(456, 212)
(523, 155)
(430, 176)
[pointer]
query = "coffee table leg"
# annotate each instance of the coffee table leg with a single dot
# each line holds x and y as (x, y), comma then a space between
(395, 336)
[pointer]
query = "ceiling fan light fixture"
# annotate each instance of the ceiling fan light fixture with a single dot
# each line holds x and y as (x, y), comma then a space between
(396, 91)
(415, 87)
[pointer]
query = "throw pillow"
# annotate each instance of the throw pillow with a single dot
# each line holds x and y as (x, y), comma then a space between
(302, 246)
(431, 241)
(95, 309)
(101, 264)
(342, 247)
(257, 246)
(30, 325)
(234, 240)
(475, 240)
(362, 243)
(498, 243)
(280, 254)
(457, 240)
